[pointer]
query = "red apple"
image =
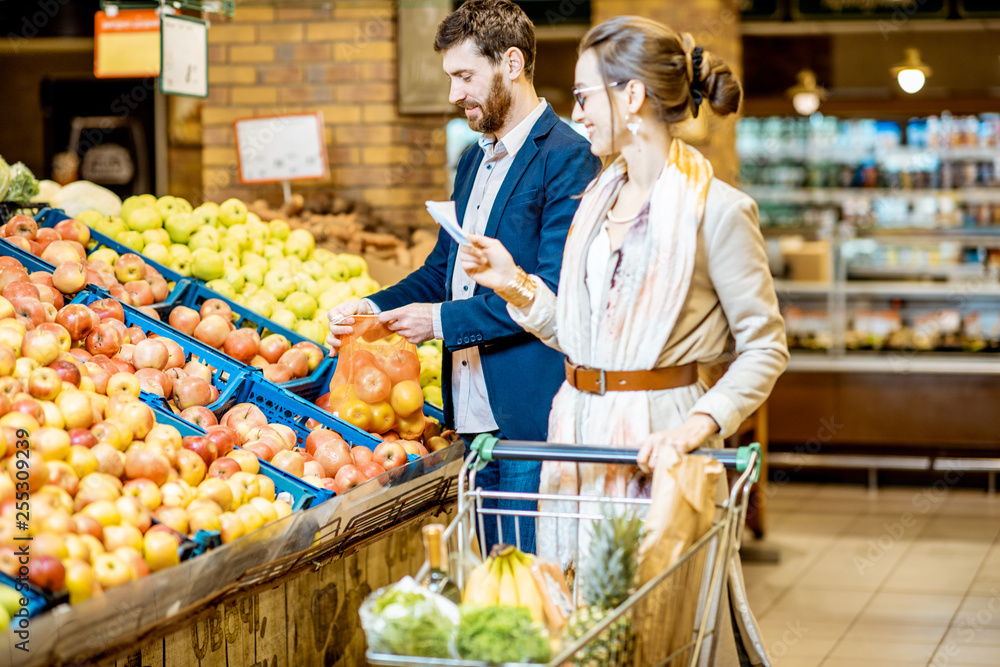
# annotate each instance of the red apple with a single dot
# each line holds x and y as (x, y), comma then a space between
(175, 353)
(371, 385)
(224, 437)
(150, 354)
(297, 361)
(273, 346)
(192, 391)
(140, 292)
(145, 490)
(191, 466)
(389, 455)
(47, 572)
(212, 331)
(70, 278)
(130, 267)
(184, 319)
(370, 469)
(199, 416)
(108, 308)
(333, 455)
(261, 450)
(277, 373)
(71, 229)
(361, 454)
(348, 477)
(240, 345)
(202, 446)
(147, 463)
(224, 467)
(67, 372)
(105, 339)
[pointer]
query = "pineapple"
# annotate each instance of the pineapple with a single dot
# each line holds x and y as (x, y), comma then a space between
(605, 583)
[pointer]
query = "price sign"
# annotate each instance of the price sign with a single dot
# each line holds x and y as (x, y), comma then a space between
(126, 44)
(183, 56)
(281, 148)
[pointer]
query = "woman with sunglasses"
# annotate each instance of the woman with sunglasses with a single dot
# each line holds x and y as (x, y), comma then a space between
(663, 266)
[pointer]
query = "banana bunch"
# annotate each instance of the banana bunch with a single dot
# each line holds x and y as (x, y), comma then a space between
(505, 579)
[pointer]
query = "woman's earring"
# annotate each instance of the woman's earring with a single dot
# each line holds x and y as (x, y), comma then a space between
(633, 123)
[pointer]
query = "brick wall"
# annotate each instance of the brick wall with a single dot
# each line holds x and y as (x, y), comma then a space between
(340, 60)
(714, 24)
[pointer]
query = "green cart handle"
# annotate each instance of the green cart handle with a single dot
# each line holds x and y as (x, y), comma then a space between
(490, 448)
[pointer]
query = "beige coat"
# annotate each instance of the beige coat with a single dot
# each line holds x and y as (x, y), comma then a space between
(731, 296)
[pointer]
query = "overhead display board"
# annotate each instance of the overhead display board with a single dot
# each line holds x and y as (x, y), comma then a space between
(127, 44)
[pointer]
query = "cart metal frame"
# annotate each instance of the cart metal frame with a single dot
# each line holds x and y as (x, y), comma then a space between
(704, 562)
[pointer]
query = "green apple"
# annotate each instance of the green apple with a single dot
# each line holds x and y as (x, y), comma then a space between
(302, 304)
(336, 295)
(135, 203)
(432, 395)
(322, 255)
(314, 269)
(240, 299)
(222, 287)
(258, 230)
(322, 316)
(90, 218)
(363, 286)
(207, 214)
(273, 249)
(178, 250)
(230, 258)
(325, 284)
(168, 205)
(230, 245)
(249, 289)
(4, 614)
(253, 218)
(279, 284)
(283, 317)
(157, 252)
(202, 239)
(232, 212)
(305, 283)
(240, 234)
(313, 330)
(257, 246)
(156, 236)
(131, 240)
(252, 274)
(279, 229)
(181, 264)
(357, 265)
(144, 218)
(206, 265)
(260, 304)
(111, 226)
(232, 275)
(281, 265)
(253, 259)
(266, 293)
(300, 244)
(337, 269)
(430, 376)
(180, 226)
(104, 255)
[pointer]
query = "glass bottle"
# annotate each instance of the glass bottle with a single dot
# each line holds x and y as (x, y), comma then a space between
(437, 580)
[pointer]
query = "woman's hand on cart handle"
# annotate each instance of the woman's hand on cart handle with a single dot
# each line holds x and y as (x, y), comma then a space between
(686, 438)
(488, 262)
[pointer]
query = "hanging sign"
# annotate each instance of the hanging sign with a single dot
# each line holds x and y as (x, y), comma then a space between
(272, 149)
(867, 9)
(184, 56)
(127, 45)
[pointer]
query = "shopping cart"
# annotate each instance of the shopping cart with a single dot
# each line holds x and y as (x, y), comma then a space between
(688, 593)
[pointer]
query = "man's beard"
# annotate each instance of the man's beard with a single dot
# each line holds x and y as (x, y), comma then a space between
(494, 109)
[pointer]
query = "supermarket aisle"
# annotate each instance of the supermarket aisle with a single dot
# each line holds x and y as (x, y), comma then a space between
(911, 577)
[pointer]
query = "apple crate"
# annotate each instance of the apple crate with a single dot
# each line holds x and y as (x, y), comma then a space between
(282, 407)
(228, 375)
(310, 387)
(39, 599)
(50, 217)
(300, 495)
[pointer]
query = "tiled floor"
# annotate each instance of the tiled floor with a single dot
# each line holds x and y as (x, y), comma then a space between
(908, 577)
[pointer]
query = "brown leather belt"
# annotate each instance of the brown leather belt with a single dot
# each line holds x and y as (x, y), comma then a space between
(598, 381)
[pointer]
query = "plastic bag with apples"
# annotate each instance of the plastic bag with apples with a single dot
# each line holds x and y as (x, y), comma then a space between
(376, 385)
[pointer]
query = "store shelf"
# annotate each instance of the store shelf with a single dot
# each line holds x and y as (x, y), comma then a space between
(946, 272)
(824, 154)
(799, 195)
(895, 362)
(802, 287)
(933, 290)
(987, 236)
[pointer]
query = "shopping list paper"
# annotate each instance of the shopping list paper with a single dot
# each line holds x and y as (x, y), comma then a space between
(444, 214)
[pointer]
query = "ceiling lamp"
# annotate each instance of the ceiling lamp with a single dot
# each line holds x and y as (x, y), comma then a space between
(912, 72)
(806, 94)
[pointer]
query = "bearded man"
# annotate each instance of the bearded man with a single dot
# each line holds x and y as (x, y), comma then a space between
(518, 185)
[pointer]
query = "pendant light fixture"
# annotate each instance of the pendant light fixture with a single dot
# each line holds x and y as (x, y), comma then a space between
(806, 95)
(912, 73)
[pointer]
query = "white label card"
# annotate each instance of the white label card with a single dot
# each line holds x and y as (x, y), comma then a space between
(183, 56)
(281, 148)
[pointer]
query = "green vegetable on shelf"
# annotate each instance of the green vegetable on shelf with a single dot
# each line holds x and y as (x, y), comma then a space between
(22, 186)
(4, 178)
(501, 634)
(407, 619)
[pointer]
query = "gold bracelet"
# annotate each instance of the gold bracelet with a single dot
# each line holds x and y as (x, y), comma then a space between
(520, 291)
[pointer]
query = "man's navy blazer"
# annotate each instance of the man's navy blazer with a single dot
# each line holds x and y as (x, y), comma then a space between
(531, 217)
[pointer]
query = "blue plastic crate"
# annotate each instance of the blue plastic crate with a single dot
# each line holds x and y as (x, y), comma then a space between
(282, 407)
(303, 494)
(228, 373)
(310, 387)
(39, 600)
(50, 217)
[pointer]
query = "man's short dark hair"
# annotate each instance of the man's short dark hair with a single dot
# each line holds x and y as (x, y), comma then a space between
(494, 26)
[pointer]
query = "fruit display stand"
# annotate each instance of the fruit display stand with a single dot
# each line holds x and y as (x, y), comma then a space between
(195, 294)
(287, 594)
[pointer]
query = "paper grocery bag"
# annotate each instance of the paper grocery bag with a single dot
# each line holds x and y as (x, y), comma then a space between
(682, 511)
